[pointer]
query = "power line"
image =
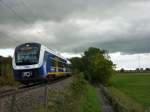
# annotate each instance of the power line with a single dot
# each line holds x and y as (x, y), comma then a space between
(27, 7)
(15, 13)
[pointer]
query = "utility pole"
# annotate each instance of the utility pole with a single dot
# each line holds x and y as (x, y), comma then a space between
(139, 61)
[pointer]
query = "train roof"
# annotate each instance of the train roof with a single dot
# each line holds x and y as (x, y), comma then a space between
(54, 53)
(33, 43)
(47, 49)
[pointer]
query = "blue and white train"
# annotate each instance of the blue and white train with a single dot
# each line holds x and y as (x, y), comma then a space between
(34, 62)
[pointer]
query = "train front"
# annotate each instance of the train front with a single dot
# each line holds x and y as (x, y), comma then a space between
(26, 63)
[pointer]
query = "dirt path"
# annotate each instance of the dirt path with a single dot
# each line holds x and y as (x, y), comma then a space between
(105, 106)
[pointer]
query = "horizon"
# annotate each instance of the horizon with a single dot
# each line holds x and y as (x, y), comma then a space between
(116, 58)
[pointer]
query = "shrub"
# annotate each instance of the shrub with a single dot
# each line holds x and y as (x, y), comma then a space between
(7, 81)
(6, 77)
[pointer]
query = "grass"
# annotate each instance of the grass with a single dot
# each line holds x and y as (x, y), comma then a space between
(79, 97)
(7, 81)
(121, 102)
(134, 85)
(91, 103)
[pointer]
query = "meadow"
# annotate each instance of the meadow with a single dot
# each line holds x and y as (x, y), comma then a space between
(134, 85)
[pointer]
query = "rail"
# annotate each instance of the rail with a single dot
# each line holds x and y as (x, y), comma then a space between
(15, 100)
(25, 88)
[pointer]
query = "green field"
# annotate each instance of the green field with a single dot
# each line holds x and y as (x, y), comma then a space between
(135, 85)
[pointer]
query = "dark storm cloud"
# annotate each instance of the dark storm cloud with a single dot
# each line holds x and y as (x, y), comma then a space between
(129, 46)
(72, 26)
(52, 9)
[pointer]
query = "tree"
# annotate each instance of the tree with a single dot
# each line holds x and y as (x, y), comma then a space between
(122, 70)
(5, 66)
(76, 63)
(147, 69)
(137, 69)
(95, 65)
(102, 69)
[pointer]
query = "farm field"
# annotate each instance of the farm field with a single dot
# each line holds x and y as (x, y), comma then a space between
(134, 85)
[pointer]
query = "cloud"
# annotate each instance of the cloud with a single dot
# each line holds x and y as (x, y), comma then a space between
(130, 61)
(73, 26)
(6, 52)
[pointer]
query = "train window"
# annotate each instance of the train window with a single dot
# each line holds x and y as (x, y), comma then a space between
(27, 56)
(53, 63)
(61, 65)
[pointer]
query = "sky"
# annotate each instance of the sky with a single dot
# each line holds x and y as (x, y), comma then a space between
(71, 26)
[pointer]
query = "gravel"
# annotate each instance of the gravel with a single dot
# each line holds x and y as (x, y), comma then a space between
(26, 101)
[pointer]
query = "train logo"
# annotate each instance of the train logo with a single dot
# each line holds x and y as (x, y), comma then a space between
(27, 74)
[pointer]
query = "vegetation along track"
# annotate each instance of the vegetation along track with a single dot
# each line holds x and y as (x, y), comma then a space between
(24, 88)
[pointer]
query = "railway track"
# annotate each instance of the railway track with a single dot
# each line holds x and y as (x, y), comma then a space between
(23, 88)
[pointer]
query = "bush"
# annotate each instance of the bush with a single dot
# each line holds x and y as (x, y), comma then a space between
(6, 78)
(101, 69)
(7, 81)
(79, 84)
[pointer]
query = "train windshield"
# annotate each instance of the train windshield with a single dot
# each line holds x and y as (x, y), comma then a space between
(27, 56)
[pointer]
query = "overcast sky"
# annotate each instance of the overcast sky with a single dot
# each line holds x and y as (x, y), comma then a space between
(70, 26)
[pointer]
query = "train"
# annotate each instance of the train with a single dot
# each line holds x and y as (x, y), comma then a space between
(34, 62)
